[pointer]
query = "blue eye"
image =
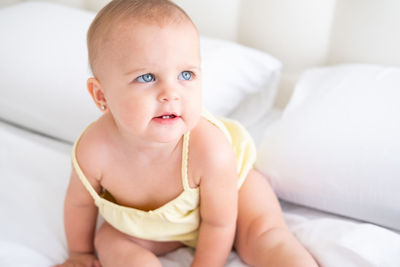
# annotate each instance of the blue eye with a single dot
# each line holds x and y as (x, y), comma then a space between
(145, 78)
(185, 75)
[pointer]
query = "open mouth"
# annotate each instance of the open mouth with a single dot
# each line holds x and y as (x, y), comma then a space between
(167, 118)
(170, 116)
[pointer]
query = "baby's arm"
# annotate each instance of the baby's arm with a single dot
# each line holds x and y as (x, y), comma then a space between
(218, 205)
(80, 216)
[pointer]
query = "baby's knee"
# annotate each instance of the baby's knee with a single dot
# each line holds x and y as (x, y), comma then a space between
(258, 226)
(115, 249)
(144, 258)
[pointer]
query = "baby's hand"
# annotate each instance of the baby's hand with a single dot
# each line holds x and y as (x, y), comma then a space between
(81, 260)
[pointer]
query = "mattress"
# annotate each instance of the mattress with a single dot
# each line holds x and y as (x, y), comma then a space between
(34, 171)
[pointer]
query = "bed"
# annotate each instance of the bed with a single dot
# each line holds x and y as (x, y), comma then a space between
(317, 83)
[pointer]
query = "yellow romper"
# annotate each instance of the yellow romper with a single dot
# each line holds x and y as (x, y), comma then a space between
(179, 219)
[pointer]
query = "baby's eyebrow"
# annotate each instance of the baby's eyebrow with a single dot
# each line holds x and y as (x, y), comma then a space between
(189, 67)
(134, 71)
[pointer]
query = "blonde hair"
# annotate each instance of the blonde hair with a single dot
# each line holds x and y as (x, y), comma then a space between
(148, 11)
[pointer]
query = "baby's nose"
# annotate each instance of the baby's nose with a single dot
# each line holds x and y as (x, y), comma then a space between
(168, 94)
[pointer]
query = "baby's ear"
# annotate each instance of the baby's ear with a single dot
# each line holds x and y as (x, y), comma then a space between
(96, 91)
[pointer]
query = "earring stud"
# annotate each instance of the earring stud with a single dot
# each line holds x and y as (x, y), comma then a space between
(103, 107)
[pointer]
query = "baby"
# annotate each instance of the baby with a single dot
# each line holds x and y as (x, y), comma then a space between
(162, 171)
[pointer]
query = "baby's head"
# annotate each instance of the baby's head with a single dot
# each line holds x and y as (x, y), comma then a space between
(120, 13)
(145, 57)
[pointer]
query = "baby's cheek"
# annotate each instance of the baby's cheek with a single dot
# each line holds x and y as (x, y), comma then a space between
(195, 117)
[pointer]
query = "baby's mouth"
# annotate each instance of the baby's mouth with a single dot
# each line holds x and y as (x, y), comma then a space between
(167, 117)
(170, 116)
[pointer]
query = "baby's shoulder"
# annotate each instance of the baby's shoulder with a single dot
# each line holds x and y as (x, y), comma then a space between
(209, 146)
(90, 150)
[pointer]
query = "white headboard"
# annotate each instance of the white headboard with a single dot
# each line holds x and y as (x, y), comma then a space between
(302, 34)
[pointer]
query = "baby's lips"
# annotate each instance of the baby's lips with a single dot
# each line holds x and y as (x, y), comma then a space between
(168, 116)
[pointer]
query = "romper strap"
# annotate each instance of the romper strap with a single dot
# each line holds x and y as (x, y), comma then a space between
(80, 173)
(216, 122)
(185, 155)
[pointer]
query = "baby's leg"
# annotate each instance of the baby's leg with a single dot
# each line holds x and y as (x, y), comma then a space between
(117, 249)
(262, 237)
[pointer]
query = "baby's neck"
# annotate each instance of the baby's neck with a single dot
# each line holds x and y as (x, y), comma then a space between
(144, 150)
(153, 152)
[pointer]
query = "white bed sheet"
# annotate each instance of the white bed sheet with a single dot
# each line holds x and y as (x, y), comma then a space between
(34, 173)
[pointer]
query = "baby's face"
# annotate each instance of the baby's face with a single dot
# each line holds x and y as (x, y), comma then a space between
(151, 79)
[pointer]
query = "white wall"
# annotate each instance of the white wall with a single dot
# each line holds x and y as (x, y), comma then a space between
(86, 4)
(216, 18)
(366, 31)
(8, 2)
(296, 32)
(75, 3)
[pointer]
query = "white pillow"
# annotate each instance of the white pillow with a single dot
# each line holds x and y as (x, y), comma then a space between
(44, 70)
(234, 74)
(337, 146)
